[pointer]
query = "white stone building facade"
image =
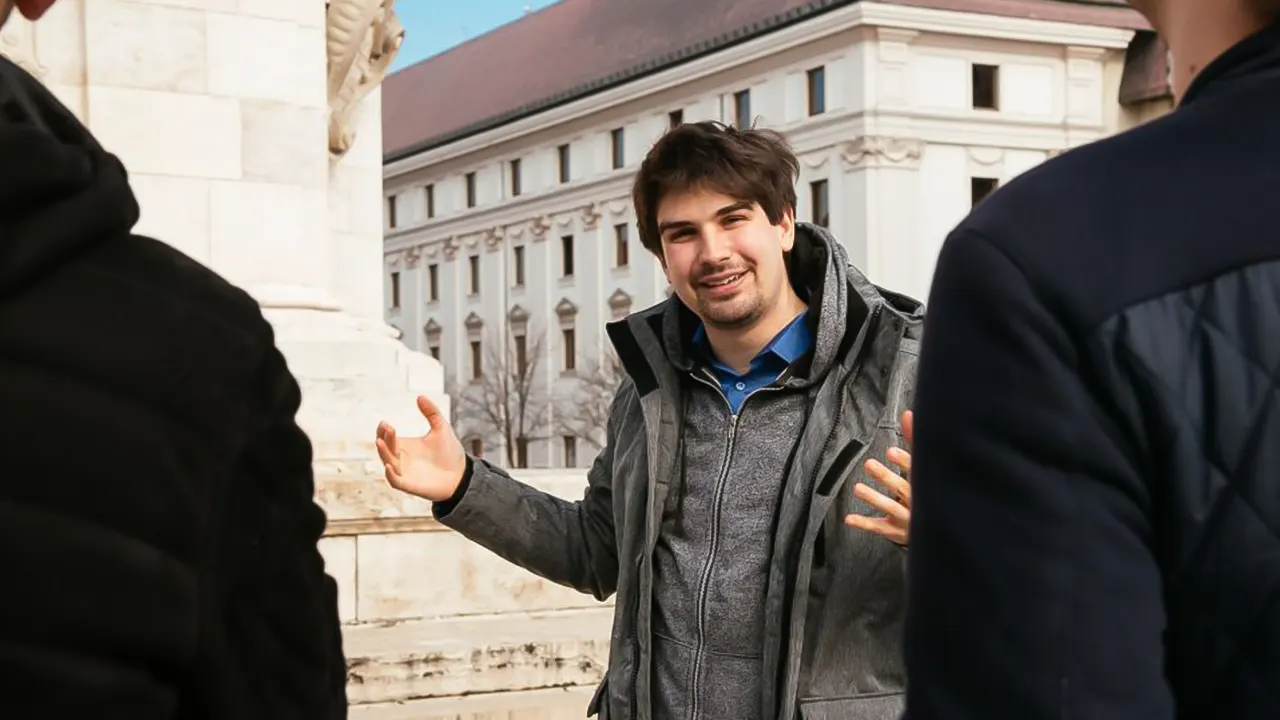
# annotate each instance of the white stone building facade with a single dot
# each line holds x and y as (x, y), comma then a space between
(902, 117)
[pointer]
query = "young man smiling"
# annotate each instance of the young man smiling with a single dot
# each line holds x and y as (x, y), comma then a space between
(717, 511)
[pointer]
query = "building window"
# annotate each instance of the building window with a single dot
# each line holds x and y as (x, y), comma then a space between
(570, 342)
(514, 169)
(817, 91)
(675, 119)
(619, 146)
(621, 245)
(391, 212)
(517, 260)
(566, 256)
(742, 109)
(522, 452)
(433, 282)
(475, 447)
(986, 87)
(430, 192)
(471, 189)
(570, 451)
(477, 361)
(563, 161)
(473, 275)
(434, 348)
(395, 290)
(522, 355)
(820, 203)
(980, 188)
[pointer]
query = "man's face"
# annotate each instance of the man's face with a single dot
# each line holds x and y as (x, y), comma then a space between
(723, 257)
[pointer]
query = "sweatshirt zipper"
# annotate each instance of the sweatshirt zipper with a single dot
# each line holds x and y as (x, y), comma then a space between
(717, 505)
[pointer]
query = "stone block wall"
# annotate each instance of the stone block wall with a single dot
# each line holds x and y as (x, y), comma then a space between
(438, 627)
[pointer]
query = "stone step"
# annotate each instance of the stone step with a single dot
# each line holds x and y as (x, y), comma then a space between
(568, 703)
(475, 655)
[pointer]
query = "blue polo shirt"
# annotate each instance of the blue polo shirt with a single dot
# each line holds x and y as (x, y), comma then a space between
(789, 345)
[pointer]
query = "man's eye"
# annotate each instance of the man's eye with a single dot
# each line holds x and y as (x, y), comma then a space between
(733, 219)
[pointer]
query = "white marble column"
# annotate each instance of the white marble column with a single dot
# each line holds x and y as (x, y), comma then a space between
(219, 110)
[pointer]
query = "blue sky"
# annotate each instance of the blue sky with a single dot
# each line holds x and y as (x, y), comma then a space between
(433, 26)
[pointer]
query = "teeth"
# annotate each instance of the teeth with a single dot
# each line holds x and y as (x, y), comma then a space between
(726, 281)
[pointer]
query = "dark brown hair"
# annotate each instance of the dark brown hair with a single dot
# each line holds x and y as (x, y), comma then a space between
(748, 165)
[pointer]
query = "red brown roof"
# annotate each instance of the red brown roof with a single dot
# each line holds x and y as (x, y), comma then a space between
(578, 47)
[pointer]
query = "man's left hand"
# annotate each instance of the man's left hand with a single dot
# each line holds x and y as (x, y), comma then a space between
(897, 505)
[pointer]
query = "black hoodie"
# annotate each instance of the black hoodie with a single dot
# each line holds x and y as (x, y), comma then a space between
(157, 528)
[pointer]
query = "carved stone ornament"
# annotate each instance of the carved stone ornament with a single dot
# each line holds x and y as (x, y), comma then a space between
(871, 150)
(986, 156)
(450, 248)
(493, 237)
(474, 323)
(564, 220)
(433, 330)
(590, 216)
(471, 242)
(566, 310)
(362, 38)
(432, 251)
(412, 256)
(18, 43)
(539, 227)
(393, 260)
(816, 160)
(619, 303)
(619, 207)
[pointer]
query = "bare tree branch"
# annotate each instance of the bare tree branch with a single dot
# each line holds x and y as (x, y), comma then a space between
(507, 403)
(586, 413)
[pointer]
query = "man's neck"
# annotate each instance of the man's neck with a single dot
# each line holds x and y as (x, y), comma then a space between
(1198, 32)
(737, 348)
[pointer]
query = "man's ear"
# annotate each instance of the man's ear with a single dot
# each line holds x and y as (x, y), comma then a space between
(787, 229)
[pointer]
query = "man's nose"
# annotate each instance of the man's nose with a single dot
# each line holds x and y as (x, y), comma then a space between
(716, 246)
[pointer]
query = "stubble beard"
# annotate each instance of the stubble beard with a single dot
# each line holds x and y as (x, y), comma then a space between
(735, 313)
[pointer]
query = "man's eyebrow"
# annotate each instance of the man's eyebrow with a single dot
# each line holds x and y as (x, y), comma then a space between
(726, 210)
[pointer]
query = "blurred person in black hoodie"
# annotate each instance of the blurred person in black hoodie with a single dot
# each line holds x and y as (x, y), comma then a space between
(1096, 529)
(157, 526)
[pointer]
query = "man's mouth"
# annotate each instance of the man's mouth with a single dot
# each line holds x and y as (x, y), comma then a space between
(722, 280)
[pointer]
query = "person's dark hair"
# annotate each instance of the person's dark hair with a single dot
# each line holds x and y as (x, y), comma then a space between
(748, 165)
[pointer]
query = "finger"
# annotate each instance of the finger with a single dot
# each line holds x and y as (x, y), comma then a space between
(901, 458)
(387, 433)
(435, 418)
(890, 479)
(385, 454)
(879, 526)
(893, 509)
(393, 478)
(909, 428)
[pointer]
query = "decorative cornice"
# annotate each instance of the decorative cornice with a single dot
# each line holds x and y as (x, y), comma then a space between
(450, 248)
(474, 323)
(876, 151)
(432, 329)
(518, 315)
(866, 13)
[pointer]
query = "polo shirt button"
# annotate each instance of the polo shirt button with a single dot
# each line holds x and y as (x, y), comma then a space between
(741, 386)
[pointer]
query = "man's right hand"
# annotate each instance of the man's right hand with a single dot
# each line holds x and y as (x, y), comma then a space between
(430, 466)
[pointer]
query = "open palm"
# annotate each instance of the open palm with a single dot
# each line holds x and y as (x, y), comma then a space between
(429, 466)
